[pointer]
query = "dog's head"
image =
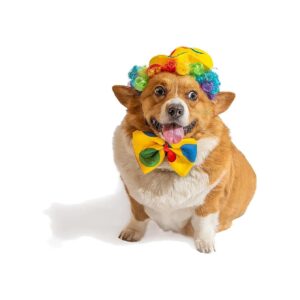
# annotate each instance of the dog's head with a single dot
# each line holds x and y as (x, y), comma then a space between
(172, 106)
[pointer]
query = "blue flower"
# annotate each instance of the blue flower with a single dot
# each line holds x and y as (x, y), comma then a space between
(133, 72)
(210, 83)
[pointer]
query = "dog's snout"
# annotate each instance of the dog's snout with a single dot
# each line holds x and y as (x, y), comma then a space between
(175, 111)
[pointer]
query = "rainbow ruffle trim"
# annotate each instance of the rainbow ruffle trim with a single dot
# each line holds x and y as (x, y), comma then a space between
(182, 61)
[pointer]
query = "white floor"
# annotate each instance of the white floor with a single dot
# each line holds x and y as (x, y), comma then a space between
(71, 251)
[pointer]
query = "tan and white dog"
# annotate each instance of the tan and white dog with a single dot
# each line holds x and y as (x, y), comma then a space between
(220, 185)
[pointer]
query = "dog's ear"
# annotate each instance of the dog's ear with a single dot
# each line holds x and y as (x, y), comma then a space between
(222, 101)
(126, 95)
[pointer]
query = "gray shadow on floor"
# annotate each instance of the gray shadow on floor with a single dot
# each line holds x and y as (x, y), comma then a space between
(102, 219)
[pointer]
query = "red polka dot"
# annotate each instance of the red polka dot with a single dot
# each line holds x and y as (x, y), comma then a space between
(171, 156)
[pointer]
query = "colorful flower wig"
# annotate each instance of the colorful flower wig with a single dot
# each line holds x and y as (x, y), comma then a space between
(182, 61)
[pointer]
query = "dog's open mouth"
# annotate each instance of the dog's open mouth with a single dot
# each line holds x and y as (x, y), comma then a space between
(172, 133)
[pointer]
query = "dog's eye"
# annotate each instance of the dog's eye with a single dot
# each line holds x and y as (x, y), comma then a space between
(159, 91)
(192, 95)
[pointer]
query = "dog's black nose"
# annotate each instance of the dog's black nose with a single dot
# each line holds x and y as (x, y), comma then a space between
(175, 111)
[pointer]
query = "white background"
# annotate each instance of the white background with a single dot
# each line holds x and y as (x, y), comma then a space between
(62, 204)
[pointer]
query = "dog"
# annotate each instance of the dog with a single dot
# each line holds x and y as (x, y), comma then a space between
(219, 185)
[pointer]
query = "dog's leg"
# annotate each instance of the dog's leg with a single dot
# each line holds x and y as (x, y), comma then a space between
(205, 222)
(134, 230)
(204, 231)
(136, 227)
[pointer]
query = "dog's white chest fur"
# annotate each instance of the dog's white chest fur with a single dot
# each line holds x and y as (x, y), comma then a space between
(168, 198)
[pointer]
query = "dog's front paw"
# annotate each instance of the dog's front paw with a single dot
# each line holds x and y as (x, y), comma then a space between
(204, 232)
(205, 245)
(130, 235)
(134, 231)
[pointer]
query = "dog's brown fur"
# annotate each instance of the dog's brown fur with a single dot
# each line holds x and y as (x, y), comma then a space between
(233, 194)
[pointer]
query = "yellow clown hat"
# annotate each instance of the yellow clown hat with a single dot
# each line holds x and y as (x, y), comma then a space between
(183, 58)
(182, 61)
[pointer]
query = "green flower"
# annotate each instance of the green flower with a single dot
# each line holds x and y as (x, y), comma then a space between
(140, 83)
(197, 69)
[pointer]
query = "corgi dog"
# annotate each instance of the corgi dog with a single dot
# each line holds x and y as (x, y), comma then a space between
(219, 185)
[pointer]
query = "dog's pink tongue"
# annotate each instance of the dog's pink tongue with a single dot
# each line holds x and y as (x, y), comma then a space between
(172, 133)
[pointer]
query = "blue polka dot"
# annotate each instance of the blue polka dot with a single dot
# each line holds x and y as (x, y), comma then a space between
(149, 133)
(189, 151)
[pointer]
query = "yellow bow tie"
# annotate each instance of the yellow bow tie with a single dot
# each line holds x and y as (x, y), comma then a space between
(151, 150)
